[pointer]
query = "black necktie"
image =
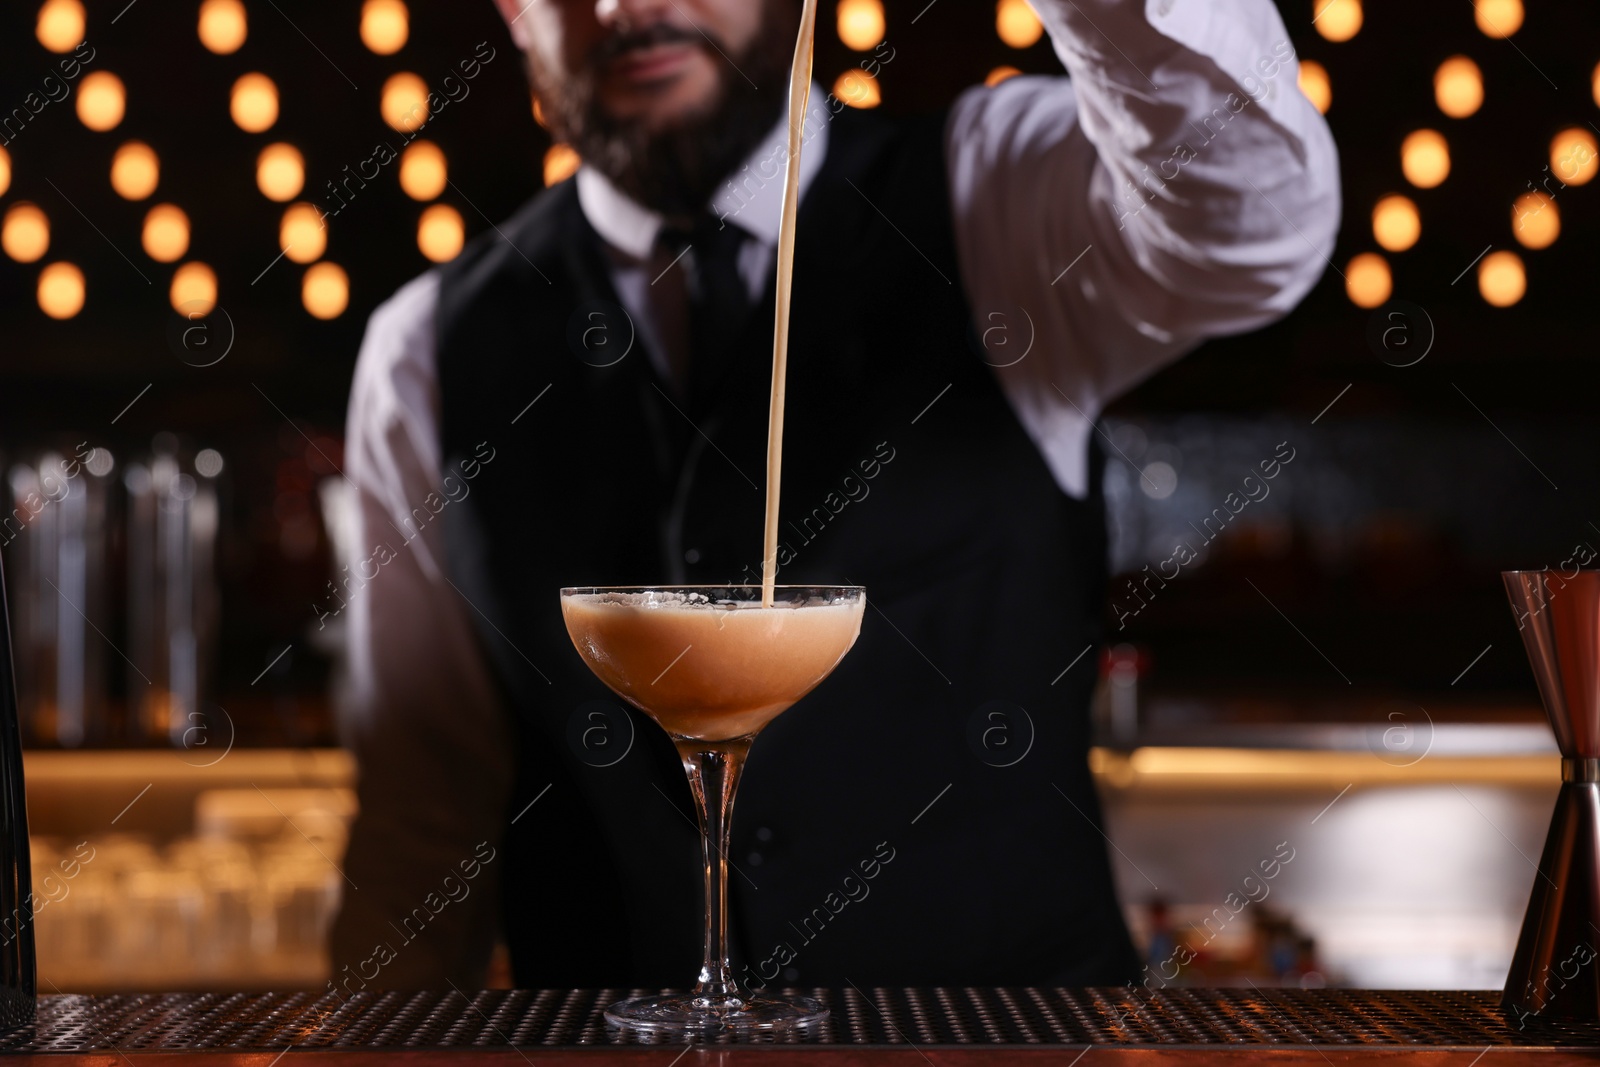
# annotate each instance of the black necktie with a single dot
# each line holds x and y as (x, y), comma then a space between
(719, 302)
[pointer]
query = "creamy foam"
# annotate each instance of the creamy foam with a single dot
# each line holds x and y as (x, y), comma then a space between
(711, 670)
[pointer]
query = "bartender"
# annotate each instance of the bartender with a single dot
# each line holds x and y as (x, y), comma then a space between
(580, 398)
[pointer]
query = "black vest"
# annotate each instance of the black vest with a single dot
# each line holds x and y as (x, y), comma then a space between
(926, 816)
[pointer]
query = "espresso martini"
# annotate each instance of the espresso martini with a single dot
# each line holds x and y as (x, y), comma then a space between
(714, 664)
(706, 669)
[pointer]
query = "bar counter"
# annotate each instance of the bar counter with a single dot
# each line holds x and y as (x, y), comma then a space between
(889, 1026)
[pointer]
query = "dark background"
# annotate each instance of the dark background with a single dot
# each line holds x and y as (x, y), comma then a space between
(1382, 561)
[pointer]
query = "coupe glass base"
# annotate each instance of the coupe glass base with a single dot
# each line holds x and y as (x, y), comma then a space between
(685, 1013)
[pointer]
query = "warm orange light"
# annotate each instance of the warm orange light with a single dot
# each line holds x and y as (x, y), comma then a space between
(280, 172)
(1000, 74)
(223, 26)
(1574, 155)
(1337, 20)
(1594, 84)
(858, 89)
(1535, 220)
(25, 234)
(61, 290)
(1458, 87)
(61, 25)
(422, 170)
(1017, 24)
(1315, 85)
(560, 163)
(302, 234)
(404, 104)
(861, 23)
(385, 25)
(538, 112)
(5, 171)
(325, 292)
(1501, 279)
(135, 170)
(1425, 158)
(1395, 223)
(440, 233)
(254, 103)
(1366, 280)
(101, 100)
(166, 233)
(194, 289)
(1498, 18)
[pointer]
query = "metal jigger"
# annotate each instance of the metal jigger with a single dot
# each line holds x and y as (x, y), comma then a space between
(1554, 975)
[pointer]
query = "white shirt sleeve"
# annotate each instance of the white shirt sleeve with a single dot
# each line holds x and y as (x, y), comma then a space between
(431, 741)
(1178, 187)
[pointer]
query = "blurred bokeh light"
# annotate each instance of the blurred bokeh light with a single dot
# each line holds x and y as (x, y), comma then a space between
(135, 170)
(1425, 158)
(166, 233)
(861, 23)
(1017, 24)
(302, 234)
(325, 292)
(60, 27)
(1367, 281)
(254, 103)
(1458, 87)
(280, 172)
(385, 26)
(423, 173)
(61, 290)
(1396, 225)
(223, 26)
(1314, 82)
(1502, 279)
(440, 233)
(1338, 20)
(1535, 220)
(102, 100)
(25, 234)
(194, 289)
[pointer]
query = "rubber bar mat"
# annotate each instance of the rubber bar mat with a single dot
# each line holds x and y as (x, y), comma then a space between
(946, 1016)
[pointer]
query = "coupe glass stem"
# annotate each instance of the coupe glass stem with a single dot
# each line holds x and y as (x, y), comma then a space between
(713, 768)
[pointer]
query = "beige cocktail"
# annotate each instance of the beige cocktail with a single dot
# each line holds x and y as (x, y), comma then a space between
(704, 669)
(712, 666)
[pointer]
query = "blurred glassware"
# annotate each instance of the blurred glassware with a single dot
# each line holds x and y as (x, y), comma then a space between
(1116, 703)
(173, 515)
(57, 537)
(245, 902)
(304, 891)
(225, 872)
(161, 921)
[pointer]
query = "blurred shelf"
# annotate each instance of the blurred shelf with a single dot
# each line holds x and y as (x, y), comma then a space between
(177, 869)
(1259, 770)
(153, 791)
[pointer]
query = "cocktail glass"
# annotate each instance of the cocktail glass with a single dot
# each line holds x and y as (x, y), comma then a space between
(712, 667)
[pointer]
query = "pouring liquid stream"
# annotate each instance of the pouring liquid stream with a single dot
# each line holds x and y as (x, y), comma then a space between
(799, 101)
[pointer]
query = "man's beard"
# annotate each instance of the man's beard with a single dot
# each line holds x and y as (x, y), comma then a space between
(675, 170)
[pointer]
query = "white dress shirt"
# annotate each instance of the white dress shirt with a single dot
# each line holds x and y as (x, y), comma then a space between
(1178, 187)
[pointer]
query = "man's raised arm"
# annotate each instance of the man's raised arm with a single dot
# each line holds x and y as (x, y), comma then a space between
(1178, 187)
